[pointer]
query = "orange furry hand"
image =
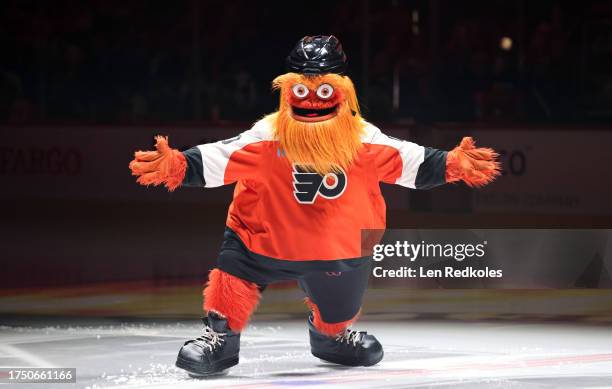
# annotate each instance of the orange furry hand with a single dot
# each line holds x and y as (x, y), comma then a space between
(162, 166)
(474, 166)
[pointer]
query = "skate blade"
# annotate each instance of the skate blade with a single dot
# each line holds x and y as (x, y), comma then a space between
(217, 370)
(327, 362)
(211, 375)
(351, 363)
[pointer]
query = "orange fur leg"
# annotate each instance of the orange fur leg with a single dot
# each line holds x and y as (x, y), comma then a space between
(330, 329)
(474, 166)
(231, 297)
(162, 166)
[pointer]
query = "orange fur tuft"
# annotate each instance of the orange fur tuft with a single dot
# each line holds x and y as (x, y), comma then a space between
(231, 297)
(322, 146)
(474, 166)
(330, 329)
(162, 166)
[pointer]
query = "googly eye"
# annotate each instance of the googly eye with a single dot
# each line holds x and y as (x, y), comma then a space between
(300, 90)
(325, 91)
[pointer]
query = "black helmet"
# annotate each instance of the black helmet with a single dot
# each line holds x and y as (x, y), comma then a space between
(317, 55)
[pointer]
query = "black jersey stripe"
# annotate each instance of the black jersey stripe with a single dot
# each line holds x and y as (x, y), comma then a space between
(432, 172)
(194, 176)
(236, 259)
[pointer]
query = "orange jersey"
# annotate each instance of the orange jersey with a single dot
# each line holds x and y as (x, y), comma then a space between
(283, 212)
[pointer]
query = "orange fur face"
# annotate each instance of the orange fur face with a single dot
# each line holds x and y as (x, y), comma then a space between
(318, 123)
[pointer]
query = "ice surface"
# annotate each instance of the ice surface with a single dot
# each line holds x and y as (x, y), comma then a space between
(418, 354)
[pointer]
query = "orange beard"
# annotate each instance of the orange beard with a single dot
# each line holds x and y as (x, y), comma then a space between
(322, 146)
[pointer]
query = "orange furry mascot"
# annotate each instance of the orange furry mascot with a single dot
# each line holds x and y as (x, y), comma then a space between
(307, 183)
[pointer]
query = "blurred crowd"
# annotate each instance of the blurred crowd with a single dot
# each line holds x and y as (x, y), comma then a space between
(101, 61)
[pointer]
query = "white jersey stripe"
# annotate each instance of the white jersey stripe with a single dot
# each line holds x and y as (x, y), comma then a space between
(412, 154)
(215, 156)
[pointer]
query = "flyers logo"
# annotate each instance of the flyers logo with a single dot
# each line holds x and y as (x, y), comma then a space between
(307, 185)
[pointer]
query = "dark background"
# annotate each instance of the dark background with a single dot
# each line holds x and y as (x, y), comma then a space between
(85, 83)
(136, 61)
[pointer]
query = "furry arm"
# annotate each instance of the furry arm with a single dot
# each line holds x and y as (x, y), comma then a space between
(162, 166)
(474, 166)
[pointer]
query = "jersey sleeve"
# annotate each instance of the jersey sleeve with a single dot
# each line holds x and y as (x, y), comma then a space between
(408, 164)
(223, 162)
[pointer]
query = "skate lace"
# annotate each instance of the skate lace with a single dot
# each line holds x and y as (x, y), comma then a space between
(350, 337)
(210, 339)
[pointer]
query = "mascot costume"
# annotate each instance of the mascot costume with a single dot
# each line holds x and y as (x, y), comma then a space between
(307, 182)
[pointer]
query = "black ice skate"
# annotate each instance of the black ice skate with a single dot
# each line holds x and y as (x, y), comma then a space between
(213, 352)
(350, 348)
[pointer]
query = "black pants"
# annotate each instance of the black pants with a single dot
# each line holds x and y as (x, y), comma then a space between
(336, 287)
